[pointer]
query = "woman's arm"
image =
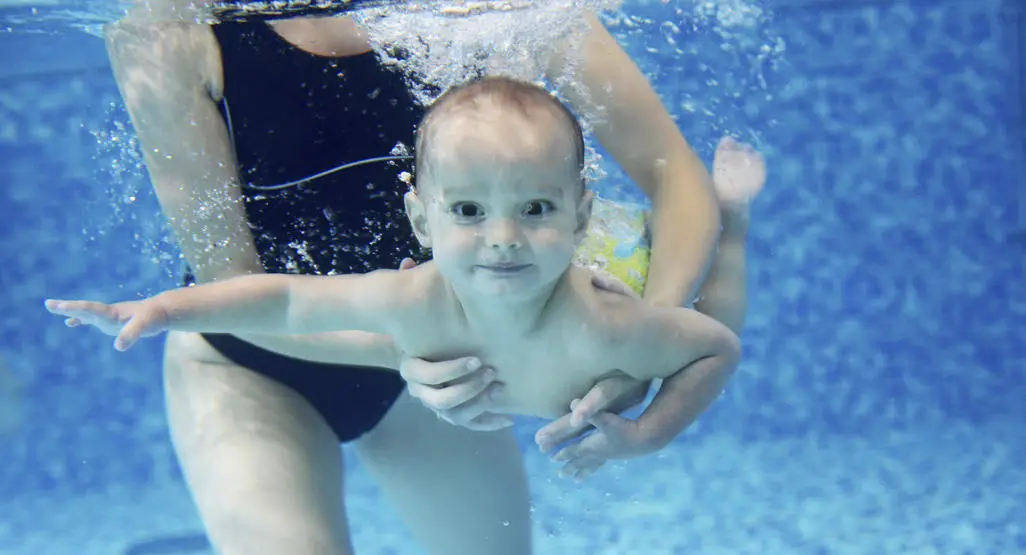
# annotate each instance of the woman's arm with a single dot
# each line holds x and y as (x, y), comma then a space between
(634, 126)
(169, 75)
(642, 137)
(649, 344)
(164, 72)
(695, 353)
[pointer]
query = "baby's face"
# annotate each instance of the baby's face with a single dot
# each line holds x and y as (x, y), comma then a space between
(504, 203)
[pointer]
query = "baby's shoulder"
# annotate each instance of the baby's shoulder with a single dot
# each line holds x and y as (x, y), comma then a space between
(600, 314)
(422, 288)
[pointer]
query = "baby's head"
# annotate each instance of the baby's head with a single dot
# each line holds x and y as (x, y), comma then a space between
(499, 195)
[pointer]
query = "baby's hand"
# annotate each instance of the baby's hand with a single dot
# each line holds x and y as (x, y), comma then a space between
(126, 321)
(616, 438)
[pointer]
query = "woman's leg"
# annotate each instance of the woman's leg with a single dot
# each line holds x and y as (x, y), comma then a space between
(264, 469)
(460, 492)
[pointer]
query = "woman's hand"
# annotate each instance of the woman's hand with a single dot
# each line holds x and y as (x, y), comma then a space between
(615, 438)
(598, 409)
(608, 397)
(459, 391)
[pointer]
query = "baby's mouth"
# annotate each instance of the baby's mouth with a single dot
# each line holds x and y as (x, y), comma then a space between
(504, 268)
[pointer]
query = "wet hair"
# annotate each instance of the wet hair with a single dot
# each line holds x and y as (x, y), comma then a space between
(526, 99)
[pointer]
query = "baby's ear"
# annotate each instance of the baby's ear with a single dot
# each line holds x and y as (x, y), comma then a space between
(416, 211)
(583, 216)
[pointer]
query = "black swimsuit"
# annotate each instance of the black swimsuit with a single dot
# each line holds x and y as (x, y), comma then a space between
(292, 115)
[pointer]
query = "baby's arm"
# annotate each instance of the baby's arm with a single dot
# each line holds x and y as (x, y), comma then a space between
(664, 342)
(264, 303)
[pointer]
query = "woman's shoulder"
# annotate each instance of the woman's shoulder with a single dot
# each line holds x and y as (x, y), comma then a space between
(167, 12)
(186, 51)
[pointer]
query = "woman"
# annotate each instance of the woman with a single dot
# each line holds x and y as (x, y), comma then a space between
(234, 118)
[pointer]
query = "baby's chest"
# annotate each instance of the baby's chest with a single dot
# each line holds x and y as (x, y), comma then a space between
(542, 380)
(540, 373)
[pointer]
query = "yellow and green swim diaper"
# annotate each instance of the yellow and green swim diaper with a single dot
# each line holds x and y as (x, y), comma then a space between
(617, 243)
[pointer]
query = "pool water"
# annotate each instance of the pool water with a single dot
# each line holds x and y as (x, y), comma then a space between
(879, 408)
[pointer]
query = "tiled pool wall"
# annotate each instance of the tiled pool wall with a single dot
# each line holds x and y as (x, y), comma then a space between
(886, 274)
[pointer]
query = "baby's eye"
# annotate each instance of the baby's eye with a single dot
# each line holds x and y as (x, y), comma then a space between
(467, 210)
(538, 208)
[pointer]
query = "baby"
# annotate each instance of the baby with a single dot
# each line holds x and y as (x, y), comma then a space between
(501, 202)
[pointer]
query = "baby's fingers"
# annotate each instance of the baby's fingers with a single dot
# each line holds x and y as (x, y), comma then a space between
(585, 471)
(580, 461)
(581, 468)
(125, 339)
(79, 309)
(56, 306)
(135, 328)
(568, 453)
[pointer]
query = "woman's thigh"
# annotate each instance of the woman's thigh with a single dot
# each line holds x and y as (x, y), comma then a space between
(459, 491)
(263, 467)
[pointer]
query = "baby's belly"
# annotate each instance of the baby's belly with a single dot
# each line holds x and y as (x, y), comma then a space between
(549, 408)
(543, 395)
(540, 385)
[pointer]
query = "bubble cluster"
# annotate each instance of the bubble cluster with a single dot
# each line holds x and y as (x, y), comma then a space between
(127, 195)
(439, 48)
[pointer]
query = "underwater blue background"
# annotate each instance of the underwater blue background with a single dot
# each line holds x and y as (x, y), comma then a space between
(881, 399)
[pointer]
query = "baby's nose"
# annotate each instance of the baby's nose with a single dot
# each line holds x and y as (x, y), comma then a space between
(504, 234)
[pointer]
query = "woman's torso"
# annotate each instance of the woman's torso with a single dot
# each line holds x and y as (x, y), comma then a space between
(293, 114)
